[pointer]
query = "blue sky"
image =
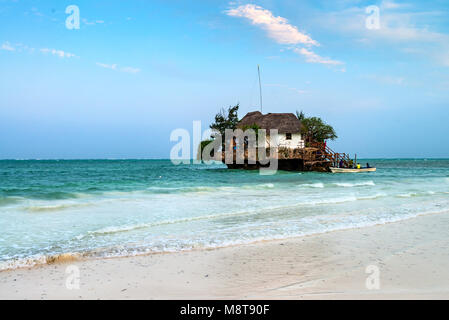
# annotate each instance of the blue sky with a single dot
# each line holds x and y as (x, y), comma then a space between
(136, 70)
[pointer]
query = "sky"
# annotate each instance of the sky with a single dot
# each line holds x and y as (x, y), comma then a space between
(134, 71)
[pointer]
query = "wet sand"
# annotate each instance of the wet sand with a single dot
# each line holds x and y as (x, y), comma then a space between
(412, 258)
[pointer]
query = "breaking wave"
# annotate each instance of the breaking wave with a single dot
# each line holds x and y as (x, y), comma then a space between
(4, 201)
(128, 251)
(312, 185)
(57, 207)
(156, 189)
(258, 211)
(39, 260)
(416, 194)
(355, 184)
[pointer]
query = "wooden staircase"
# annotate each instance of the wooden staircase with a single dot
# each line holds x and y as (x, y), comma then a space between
(326, 154)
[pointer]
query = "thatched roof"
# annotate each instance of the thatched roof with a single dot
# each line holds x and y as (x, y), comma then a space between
(283, 122)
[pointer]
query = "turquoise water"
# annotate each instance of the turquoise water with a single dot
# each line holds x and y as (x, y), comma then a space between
(127, 207)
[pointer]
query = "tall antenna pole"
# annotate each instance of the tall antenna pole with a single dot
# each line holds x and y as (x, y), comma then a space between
(260, 88)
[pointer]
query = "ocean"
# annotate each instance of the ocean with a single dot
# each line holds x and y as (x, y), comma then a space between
(107, 208)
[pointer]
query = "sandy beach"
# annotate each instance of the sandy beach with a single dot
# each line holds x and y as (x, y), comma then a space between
(412, 257)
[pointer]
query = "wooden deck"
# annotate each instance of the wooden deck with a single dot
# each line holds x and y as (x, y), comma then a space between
(314, 157)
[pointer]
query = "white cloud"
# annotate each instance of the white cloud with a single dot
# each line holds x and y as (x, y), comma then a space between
(36, 12)
(444, 58)
(19, 47)
(392, 5)
(395, 25)
(402, 27)
(312, 57)
(107, 66)
(116, 67)
(277, 28)
(399, 27)
(7, 46)
(58, 53)
(280, 30)
(386, 79)
(130, 70)
(90, 23)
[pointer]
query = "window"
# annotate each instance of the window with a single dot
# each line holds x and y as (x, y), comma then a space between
(288, 136)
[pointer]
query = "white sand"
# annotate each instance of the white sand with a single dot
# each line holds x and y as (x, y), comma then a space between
(412, 257)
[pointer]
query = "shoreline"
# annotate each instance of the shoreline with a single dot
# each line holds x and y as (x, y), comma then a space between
(411, 256)
(65, 257)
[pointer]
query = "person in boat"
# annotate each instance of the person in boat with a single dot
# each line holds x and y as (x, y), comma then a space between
(341, 164)
(358, 166)
(367, 165)
(351, 164)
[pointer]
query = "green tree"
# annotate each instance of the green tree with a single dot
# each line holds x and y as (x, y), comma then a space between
(226, 119)
(301, 116)
(315, 129)
(203, 145)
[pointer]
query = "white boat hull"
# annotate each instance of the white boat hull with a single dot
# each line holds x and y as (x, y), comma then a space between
(351, 170)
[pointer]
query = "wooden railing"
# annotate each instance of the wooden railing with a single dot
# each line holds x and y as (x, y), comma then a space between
(336, 159)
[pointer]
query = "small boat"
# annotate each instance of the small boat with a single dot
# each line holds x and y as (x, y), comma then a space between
(351, 170)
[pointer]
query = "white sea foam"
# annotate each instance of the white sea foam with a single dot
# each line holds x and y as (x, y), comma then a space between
(335, 200)
(125, 228)
(266, 185)
(372, 197)
(255, 211)
(416, 194)
(312, 185)
(204, 189)
(6, 201)
(56, 207)
(36, 260)
(355, 184)
(325, 224)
